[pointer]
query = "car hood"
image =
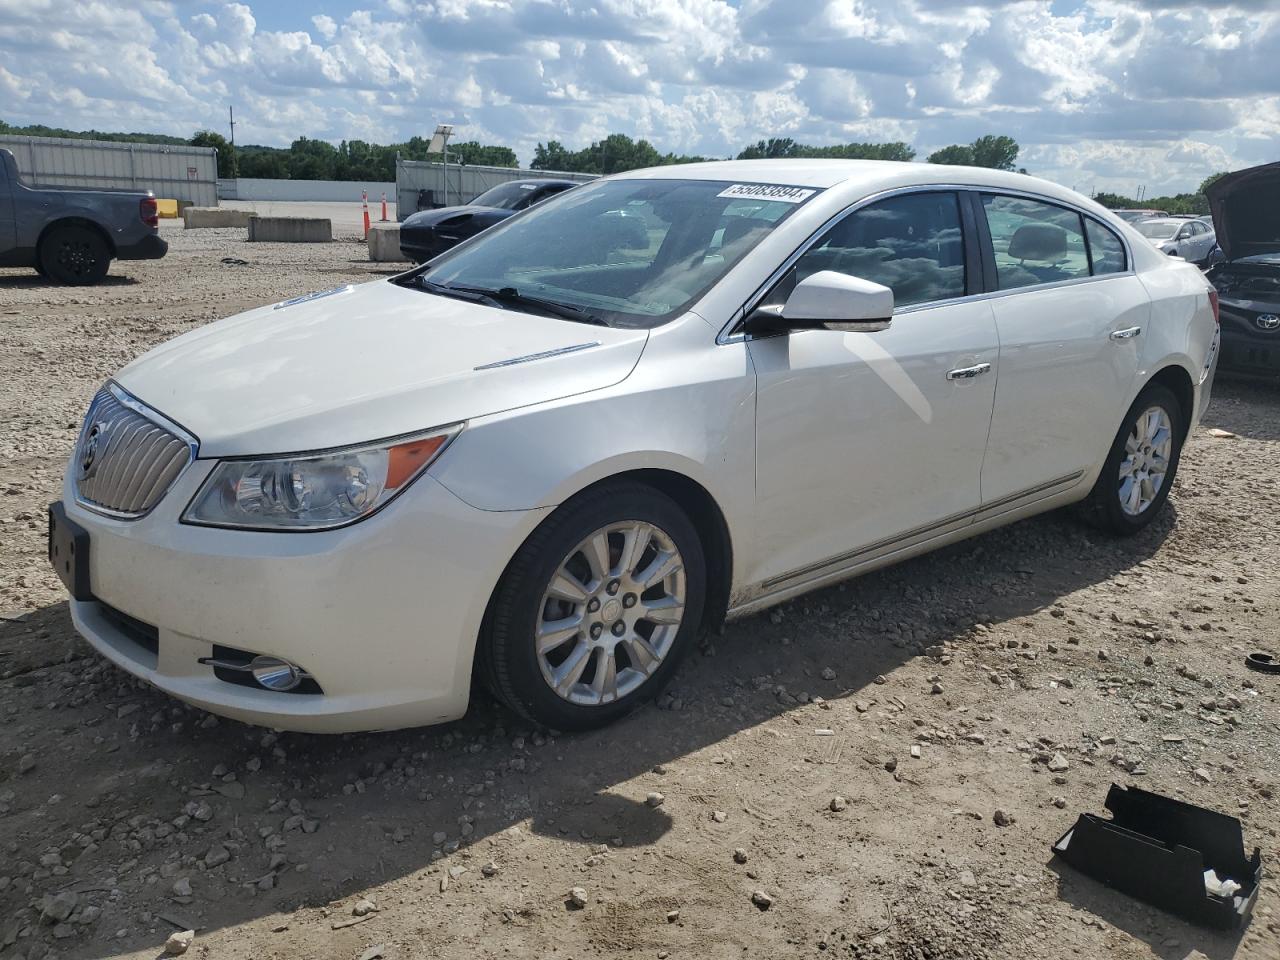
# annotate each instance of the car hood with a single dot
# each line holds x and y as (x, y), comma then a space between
(432, 218)
(1246, 211)
(355, 364)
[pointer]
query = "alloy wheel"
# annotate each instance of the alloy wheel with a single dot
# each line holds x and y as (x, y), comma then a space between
(76, 257)
(1146, 461)
(611, 613)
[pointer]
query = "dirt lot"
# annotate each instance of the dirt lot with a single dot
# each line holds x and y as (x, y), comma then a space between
(125, 815)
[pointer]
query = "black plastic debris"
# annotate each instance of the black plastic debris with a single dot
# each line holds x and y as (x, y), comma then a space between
(1262, 662)
(1173, 855)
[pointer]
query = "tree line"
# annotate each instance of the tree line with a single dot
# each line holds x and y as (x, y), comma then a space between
(1196, 203)
(309, 159)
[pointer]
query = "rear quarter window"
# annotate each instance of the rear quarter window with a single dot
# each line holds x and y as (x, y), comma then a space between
(1106, 251)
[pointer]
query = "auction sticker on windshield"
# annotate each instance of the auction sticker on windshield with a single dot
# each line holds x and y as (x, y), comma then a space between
(764, 191)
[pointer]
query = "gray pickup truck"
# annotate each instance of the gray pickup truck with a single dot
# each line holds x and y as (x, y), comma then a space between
(71, 236)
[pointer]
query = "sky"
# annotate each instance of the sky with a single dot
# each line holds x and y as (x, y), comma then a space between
(1101, 94)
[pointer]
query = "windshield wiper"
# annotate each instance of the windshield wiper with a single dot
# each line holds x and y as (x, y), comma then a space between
(512, 296)
(458, 293)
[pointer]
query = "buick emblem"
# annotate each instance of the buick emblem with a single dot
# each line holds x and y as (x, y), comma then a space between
(89, 450)
(1267, 321)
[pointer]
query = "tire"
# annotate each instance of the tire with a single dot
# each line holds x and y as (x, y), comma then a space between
(1114, 505)
(74, 255)
(557, 553)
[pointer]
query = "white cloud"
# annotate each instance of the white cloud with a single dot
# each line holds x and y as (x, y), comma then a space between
(326, 25)
(1098, 92)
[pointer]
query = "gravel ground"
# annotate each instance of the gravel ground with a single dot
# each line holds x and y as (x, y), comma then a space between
(1021, 672)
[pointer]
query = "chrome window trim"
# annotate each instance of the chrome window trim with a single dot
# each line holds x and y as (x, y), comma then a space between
(126, 399)
(729, 334)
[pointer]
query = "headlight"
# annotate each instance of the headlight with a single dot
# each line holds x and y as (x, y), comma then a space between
(316, 491)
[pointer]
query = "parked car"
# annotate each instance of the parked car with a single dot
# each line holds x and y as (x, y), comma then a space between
(1246, 213)
(428, 233)
(1133, 216)
(72, 235)
(1190, 239)
(550, 472)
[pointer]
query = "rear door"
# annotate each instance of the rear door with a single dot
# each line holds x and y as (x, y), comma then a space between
(1070, 314)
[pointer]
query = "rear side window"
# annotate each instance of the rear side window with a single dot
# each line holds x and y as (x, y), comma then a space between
(913, 244)
(1035, 242)
(1105, 249)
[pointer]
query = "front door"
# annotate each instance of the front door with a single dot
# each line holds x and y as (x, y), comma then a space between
(868, 441)
(8, 235)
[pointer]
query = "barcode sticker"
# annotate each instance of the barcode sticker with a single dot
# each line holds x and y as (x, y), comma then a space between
(767, 191)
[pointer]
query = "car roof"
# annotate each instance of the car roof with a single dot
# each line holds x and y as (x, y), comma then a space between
(869, 175)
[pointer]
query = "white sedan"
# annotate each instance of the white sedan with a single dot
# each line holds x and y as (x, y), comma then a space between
(554, 454)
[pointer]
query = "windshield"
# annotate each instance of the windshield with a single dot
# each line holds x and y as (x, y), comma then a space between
(1157, 229)
(630, 253)
(506, 196)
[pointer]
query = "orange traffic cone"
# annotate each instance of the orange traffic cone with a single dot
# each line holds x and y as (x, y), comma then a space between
(364, 202)
(384, 206)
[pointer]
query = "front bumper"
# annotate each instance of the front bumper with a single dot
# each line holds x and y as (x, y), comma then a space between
(150, 247)
(1246, 346)
(383, 614)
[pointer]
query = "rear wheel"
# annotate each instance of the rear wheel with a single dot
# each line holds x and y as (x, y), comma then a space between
(596, 609)
(1141, 465)
(74, 255)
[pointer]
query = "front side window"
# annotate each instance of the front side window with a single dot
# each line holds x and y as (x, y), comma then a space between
(1105, 249)
(1035, 242)
(913, 244)
(630, 253)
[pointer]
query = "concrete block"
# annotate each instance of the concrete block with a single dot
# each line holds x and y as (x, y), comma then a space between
(289, 230)
(384, 243)
(196, 217)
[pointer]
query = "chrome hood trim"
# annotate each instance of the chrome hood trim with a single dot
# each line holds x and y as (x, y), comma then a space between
(545, 354)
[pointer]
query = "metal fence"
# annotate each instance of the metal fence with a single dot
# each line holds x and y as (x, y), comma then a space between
(173, 172)
(305, 191)
(422, 185)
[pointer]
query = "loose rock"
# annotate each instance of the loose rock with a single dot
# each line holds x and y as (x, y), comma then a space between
(179, 942)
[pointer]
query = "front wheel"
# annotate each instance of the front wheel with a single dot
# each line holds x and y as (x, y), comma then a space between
(1141, 465)
(596, 609)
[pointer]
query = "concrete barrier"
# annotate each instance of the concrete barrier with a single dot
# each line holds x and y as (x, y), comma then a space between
(167, 209)
(289, 230)
(384, 243)
(199, 217)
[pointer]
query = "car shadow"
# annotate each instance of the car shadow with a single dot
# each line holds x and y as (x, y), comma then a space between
(1245, 407)
(34, 280)
(383, 799)
(1168, 937)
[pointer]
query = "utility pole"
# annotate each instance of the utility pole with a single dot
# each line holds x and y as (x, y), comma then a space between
(235, 166)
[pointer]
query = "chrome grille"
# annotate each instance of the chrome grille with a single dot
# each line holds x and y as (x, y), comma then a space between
(127, 455)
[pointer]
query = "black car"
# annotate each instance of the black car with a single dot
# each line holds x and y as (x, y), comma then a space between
(429, 233)
(1246, 215)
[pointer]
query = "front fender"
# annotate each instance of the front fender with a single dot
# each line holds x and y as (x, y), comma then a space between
(688, 408)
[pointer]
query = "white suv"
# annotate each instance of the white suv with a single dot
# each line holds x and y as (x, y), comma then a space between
(555, 453)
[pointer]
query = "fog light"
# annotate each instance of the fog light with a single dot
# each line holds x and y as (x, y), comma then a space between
(275, 674)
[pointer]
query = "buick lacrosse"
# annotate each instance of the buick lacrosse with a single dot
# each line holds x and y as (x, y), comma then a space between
(551, 456)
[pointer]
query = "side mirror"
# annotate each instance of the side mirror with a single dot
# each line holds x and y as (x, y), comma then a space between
(828, 300)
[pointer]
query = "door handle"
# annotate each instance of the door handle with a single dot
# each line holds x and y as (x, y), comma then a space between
(968, 373)
(1126, 334)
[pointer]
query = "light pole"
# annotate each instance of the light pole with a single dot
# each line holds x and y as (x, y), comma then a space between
(440, 144)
